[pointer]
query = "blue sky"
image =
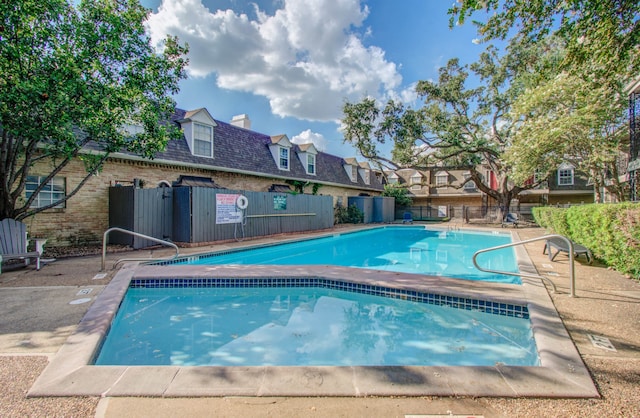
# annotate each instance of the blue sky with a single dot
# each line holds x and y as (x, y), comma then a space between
(290, 65)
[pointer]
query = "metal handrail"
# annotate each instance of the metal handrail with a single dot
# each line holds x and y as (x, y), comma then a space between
(533, 276)
(137, 234)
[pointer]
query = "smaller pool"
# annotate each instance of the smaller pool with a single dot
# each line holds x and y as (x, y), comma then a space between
(414, 250)
(314, 323)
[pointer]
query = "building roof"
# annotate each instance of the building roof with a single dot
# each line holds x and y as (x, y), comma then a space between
(245, 151)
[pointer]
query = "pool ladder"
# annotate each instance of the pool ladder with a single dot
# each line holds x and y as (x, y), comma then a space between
(139, 235)
(572, 273)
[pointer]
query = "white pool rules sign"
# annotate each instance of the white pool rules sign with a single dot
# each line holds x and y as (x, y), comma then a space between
(227, 211)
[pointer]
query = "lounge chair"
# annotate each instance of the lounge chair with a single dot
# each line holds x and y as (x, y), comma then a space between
(14, 243)
(560, 246)
(510, 219)
(407, 218)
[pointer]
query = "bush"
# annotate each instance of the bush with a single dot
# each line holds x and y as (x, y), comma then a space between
(350, 215)
(611, 231)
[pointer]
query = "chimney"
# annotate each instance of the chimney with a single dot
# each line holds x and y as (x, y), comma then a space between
(241, 121)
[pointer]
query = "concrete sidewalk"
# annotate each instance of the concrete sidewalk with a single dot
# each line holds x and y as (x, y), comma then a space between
(39, 309)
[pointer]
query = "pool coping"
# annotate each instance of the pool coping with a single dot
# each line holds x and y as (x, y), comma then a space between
(562, 373)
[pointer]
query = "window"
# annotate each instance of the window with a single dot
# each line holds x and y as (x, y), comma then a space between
(469, 185)
(366, 175)
(202, 140)
(50, 193)
(565, 175)
(442, 179)
(311, 164)
(354, 173)
(284, 158)
(416, 182)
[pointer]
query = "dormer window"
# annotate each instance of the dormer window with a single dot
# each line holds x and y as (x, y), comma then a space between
(565, 174)
(284, 158)
(307, 157)
(366, 176)
(469, 184)
(311, 164)
(392, 178)
(202, 140)
(442, 179)
(354, 173)
(416, 181)
(280, 148)
(197, 126)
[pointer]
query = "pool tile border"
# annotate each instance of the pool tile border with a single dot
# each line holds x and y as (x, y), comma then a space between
(495, 308)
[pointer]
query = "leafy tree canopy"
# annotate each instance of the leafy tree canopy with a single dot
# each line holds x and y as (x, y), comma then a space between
(602, 35)
(400, 194)
(74, 73)
(458, 127)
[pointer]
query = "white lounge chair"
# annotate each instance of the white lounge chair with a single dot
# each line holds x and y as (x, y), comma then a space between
(14, 243)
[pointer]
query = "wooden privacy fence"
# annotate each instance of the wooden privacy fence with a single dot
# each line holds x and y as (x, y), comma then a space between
(197, 215)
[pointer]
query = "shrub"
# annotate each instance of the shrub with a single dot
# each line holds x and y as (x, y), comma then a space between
(351, 215)
(611, 231)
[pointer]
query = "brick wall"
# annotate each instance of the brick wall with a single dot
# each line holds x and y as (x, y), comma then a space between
(86, 215)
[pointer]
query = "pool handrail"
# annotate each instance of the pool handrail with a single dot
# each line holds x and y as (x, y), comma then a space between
(572, 274)
(136, 234)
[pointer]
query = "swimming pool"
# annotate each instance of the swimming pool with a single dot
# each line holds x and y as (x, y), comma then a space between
(416, 250)
(310, 322)
(560, 373)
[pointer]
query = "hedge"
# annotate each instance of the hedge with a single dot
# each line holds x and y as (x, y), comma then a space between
(610, 231)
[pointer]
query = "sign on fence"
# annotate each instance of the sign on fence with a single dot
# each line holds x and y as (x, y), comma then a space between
(227, 211)
(279, 202)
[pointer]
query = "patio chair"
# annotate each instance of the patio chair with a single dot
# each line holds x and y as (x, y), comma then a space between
(560, 246)
(14, 243)
(510, 219)
(407, 218)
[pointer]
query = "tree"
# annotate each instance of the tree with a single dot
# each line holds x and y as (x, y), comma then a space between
(457, 128)
(602, 35)
(568, 118)
(74, 75)
(400, 194)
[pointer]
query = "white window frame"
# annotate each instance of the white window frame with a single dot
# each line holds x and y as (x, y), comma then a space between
(53, 191)
(439, 179)
(311, 164)
(566, 174)
(284, 158)
(354, 173)
(366, 176)
(468, 185)
(199, 128)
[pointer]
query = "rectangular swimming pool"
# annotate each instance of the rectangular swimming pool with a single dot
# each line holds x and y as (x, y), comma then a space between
(404, 249)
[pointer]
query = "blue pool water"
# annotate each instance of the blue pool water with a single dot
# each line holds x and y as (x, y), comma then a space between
(298, 326)
(402, 249)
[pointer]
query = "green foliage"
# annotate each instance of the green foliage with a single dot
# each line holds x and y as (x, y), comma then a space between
(75, 73)
(401, 194)
(351, 214)
(602, 35)
(611, 231)
(568, 118)
(458, 127)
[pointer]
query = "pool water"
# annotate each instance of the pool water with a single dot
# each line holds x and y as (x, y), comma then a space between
(401, 249)
(287, 326)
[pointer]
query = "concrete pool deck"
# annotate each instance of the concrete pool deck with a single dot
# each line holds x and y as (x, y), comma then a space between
(561, 375)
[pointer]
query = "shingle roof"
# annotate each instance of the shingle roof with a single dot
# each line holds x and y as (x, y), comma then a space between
(241, 150)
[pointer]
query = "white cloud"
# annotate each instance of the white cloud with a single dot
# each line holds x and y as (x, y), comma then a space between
(307, 136)
(306, 58)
